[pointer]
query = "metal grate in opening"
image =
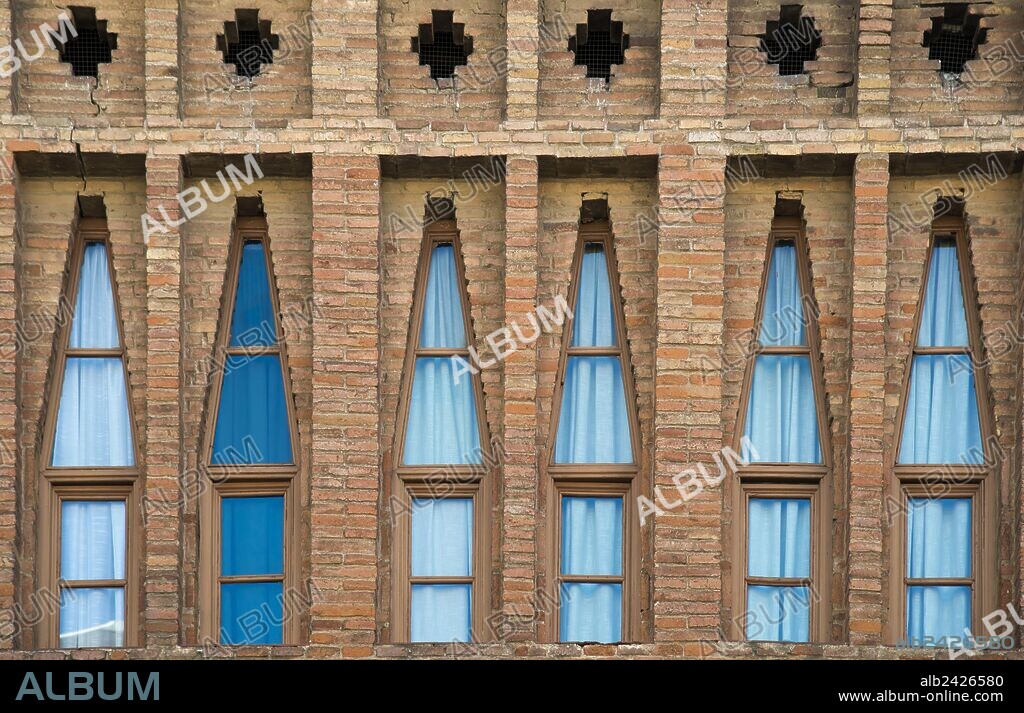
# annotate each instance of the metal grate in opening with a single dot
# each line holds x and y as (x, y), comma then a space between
(791, 40)
(599, 44)
(248, 43)
(91, 45)
(443, 44)
(954, 38)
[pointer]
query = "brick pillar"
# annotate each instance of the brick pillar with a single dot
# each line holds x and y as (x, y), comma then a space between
(874, 47)
(346, 454)
(521, 472)
(693, 58)
(345, 59)
(6, 40)
(523, 42)
(162, 105)
(687, 423)
(8, 437)
(867, 397)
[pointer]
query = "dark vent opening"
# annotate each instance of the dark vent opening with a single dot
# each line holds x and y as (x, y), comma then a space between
(954, 38)
(248, 43)
(443, 44)
(91, 46)
(599, 44)
(791, 41)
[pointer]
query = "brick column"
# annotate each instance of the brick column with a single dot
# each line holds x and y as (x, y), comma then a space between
(693, 58)
(874, 47)
(163, 459)
(523, 42)
(345, 59)
(519, 505)
(162, 104)
(346, 454)
(867, 397)
(687, 577)
(6, 40)
(8, 437)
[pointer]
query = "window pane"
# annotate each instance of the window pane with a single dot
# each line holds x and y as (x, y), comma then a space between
(939, 537)
(442, 537)
(441, 612)
(591, 536)
(92, 540)
(443, 325)
(91, 617)
(252, 420)
(943, 321)
(593, 323)
(252, 535)
(778, 613)
(593, 426)
(938, 611)
(590, 612)
(782, 420)
(779, 537)
(93, 427)
(442, 427)
(252, 321)
(251, 613)
(94, 324)
(941, 423)
(782, 322)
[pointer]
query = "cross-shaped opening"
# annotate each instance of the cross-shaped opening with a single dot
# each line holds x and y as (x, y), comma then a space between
(442, 44)
(248, 43)
(599, 44)
(91, 45)
(791, 40)
(954, 38)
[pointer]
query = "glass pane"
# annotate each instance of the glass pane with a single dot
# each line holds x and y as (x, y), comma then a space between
(442, 537)
(441, 612)
(590, 612)
(941, 424)
(252, 535)
(252, 420)
(938, 611)
(93, 427)
(782, 322)
(94, 324)
(943, 321)
(443, 325)
(252, 321)
(778, 613)
(251, 613)
(779, 537)
(593, 426)
(939, 537)
(91, 617)
(592, 536)
(92, 540)
(782, 416)
(442, 427)
(593, 322)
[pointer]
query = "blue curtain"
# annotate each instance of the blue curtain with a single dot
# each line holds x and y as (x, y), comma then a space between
(443, 324)
(442, 546)
(943, 321)
(591, 545)
(782, 416)
(92, 547)
(593, 426)
(93, 427)
(593, 319)
(938, 546)
(941, 424)
(782, 322)
(442, 427)
(94, 324)
(778, 545)
(252, 543)
(252, 412)
(253, 315)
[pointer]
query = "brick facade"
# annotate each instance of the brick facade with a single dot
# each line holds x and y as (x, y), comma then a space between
(691, 143)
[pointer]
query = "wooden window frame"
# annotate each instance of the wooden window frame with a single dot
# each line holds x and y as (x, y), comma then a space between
(91, 482)
(252, 480)
(979, 481)
(599, 478)
(783, 477)
(472, 480)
